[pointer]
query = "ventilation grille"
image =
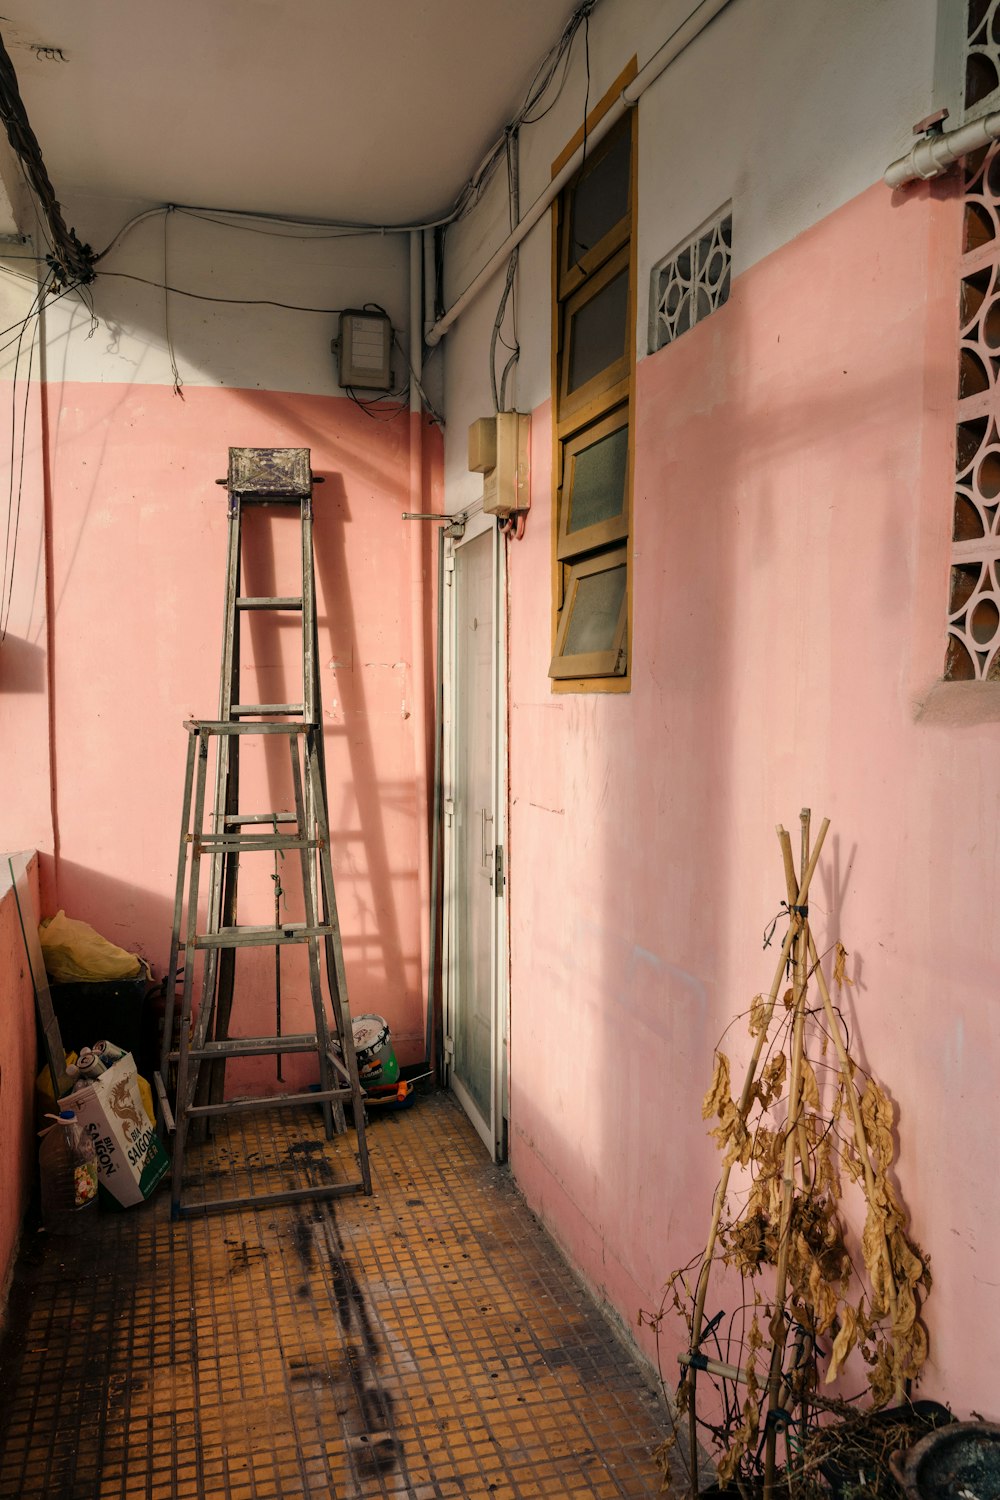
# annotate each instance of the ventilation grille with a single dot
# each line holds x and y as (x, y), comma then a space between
(692, 281)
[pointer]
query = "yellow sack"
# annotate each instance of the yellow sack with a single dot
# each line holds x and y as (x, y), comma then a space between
(73, 951)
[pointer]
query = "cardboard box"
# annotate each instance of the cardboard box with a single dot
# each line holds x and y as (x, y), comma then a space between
(130, 1157)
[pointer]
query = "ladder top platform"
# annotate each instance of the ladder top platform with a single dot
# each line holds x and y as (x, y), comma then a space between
(269, 473)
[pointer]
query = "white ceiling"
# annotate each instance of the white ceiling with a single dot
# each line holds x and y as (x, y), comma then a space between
(371, 110)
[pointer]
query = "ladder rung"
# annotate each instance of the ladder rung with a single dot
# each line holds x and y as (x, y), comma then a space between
(213, 841)
(241, 710)
(230, 726)
(267, 1101)
(261, 937)
(252, 1046)
(239, 820)
(262, 601)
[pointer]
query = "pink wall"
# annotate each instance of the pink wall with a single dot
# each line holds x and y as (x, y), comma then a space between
(792, 518)
(138, 551)
(17, 1075)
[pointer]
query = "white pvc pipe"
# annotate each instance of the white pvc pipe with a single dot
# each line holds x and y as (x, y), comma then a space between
(629, 96)
(936, 153)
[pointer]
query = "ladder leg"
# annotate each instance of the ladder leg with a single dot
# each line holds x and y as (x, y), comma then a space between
(336, 976)
(187, 1068)
(310, 659)
(222, 888)
(170, 980)
(227, 958)
(308, 860)
(312, 699)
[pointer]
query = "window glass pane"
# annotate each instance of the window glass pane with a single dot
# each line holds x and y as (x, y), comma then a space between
(596, 611)
(597, 332)
(600, 199)
(598, 481)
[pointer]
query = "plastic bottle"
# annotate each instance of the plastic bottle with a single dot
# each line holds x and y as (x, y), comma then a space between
(68, 1167)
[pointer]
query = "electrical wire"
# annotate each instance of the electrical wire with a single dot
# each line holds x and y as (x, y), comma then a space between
(70, 260)
(530, 119)
(126, 229)
(539, 86)
(432, 411)
(232, 219)
(322, 233)
(514, 194)
(180, 291)
(14, 513)
(374, 410)
(85, 295)
(21, 275)
(56, 297)
(20, 485)
(500, 396)
(175, 372)
(586, 97)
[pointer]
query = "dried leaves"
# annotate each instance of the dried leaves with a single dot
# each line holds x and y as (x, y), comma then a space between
(718, 1093)
(876, 1113)
(796, 1183)
(731, 1132)
(840, 967)
(845, 1341)
(772, 1080)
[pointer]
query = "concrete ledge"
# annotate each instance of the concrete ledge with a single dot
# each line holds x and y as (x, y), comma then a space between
(959, 704)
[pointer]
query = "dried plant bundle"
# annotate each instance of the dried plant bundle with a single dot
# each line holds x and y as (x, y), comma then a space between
(782, 1230)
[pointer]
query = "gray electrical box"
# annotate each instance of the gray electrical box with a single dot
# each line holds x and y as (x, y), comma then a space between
(364, 349)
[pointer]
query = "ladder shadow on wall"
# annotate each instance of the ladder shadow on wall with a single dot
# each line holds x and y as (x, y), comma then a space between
(367, 885)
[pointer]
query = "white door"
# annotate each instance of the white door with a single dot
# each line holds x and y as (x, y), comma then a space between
(474, 802)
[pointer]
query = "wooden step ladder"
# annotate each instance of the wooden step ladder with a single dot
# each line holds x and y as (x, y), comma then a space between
(283, 477)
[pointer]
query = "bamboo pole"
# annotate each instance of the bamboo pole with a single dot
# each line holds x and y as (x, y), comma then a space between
(704, 1274)
(779, 1321)
(792, 887)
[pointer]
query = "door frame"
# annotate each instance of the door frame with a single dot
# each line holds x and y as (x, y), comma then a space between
(492, 1132)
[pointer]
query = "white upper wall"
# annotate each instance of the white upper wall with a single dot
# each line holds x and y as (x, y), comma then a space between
(220, 343)
(787, 109)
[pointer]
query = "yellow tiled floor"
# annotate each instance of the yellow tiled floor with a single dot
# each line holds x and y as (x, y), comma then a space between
(425, 1342)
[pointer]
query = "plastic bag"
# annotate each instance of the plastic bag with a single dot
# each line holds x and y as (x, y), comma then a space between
(73, 951)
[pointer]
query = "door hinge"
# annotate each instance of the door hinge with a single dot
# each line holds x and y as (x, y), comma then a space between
(449, 570)
(498, 875)
(449, 1047)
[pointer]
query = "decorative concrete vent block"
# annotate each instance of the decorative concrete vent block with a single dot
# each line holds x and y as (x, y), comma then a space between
(982, 63)
(973, 651)
(692, 281)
